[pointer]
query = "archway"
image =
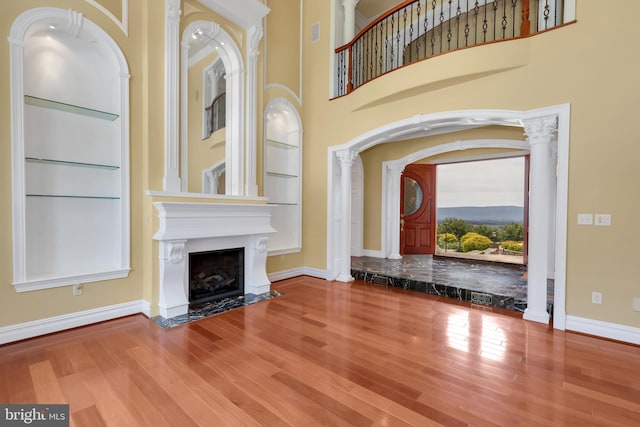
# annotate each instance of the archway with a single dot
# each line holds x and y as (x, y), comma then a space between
(542, 126)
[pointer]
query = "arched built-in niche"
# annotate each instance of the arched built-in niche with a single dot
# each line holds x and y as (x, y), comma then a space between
(218, 40)
(70, 151)
(283, 174)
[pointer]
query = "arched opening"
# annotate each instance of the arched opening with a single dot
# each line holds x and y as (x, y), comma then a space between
(542, 126)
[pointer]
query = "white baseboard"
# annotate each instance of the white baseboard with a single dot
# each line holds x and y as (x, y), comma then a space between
(285, 274)
(612, 331)
(372, 253)
(316, 272)
(294, 272)
(146, 308)
(34, 328)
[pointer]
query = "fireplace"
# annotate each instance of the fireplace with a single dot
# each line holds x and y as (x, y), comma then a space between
(215, 275)
(187, 227)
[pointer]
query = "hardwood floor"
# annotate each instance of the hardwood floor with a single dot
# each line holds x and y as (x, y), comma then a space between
(329, 353)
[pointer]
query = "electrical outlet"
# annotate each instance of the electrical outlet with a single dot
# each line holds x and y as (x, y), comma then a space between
(636, 303)
(77, 289)
(603, 220)
(596, 297)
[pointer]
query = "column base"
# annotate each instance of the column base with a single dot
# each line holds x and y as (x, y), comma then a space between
(536, 316)
(345, 278)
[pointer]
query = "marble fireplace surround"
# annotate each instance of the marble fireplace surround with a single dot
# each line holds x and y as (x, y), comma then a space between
(187, 227)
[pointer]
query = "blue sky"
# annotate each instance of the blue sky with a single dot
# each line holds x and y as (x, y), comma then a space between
(482, 183)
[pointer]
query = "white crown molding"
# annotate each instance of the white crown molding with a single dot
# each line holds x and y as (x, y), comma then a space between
(123, 23)
(21, 331)
(608, 330)
(251, 11)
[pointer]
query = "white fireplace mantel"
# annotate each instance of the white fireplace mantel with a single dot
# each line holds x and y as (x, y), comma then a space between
(196, 227)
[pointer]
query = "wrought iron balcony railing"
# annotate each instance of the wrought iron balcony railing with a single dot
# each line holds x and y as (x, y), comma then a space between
(419, 29)
(216, 114)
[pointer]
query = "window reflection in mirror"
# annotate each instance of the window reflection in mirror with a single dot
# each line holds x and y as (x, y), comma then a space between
(206, 124)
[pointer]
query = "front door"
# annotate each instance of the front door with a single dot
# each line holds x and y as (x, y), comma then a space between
(418, 210)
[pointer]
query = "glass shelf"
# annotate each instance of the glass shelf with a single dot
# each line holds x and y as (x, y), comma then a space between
(281, 175)
(283, 204)
(281, 144)
(69, 108)
(67, 163)
(73, 197)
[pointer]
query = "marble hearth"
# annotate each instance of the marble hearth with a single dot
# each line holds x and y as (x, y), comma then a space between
(197, 227)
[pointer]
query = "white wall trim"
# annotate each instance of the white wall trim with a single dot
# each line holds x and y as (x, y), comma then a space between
(21, 331)
(295, 272)
(608, 330)
(316, 272)
(372, 253)
(286, 274)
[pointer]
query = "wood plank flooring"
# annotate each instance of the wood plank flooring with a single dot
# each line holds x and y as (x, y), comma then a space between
(329, 353)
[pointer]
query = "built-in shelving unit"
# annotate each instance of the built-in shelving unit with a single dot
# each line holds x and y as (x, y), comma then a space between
(69, 153)
(70, 108)
(282, 177)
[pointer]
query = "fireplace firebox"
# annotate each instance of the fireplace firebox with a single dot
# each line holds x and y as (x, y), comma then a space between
(216, 274)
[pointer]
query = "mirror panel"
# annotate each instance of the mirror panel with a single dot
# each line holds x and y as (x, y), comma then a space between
(212, 111)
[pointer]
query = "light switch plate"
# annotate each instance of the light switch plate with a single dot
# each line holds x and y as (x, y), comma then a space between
(603, 220)
(636, 303)
(585, 219)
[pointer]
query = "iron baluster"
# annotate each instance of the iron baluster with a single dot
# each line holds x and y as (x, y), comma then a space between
(485, 23)
(458, 14)
(547, 11)
(514, 3)
(433, 27)
(418, 28)
(476, 12)
(449, 33)
(466, 26)
(495, 18)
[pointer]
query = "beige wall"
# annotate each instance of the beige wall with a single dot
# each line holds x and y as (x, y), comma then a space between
(572, 65)
(27, 306)
(566, 65)
(282, 80)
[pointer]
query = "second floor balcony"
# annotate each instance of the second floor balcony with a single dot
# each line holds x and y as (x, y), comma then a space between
(416, 30)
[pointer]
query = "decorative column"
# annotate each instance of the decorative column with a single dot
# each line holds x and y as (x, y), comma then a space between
(540, 133)
(349, 29)
(254, 35)
(394, 172)
(171, 180)
(346, 158)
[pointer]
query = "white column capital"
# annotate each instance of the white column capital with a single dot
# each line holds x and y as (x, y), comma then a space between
(346, 157)
(540, 130)
(173, 9)
(395, 169)
(350, 3)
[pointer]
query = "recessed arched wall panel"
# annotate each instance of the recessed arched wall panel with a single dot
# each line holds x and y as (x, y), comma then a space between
(70, 151)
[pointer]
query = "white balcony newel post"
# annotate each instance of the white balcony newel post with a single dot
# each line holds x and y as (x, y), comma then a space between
(540, 133)
(393, 206)
(346, 158)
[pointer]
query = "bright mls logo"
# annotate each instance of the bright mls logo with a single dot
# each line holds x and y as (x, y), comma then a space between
(34, 415)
